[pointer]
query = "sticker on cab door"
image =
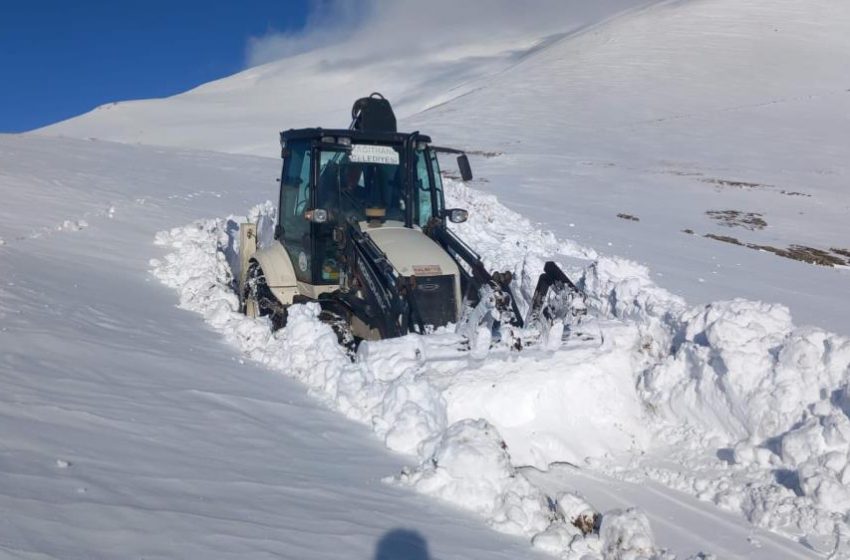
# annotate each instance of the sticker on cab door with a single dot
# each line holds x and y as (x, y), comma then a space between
(427, 270)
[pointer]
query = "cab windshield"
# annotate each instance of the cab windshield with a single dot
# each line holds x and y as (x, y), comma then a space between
(372, 177)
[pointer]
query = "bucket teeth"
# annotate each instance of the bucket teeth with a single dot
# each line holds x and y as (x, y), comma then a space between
(557, 304)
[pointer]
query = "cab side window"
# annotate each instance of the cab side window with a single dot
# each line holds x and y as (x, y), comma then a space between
(423, 195)
(439, 200)
(294, 201)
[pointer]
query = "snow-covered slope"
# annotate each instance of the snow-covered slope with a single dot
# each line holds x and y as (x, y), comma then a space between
(738, 109)
(128, 429)
(125, 418)
(317, 88)
(712, 116)
(715, 117)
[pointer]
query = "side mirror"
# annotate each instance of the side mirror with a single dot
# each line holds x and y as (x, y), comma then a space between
(456, 215)
(465, 169)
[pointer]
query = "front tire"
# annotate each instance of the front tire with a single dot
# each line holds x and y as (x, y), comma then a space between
(258, 299)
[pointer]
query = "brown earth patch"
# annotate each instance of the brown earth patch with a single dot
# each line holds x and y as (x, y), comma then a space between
(802, 253)
(842, 252)
(736, 218)
(734, 183)
(682, 173)
(723, 238)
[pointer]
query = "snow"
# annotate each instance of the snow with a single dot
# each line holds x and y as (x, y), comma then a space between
(649, 114)
(703, 401)
(174, 445)
(744, 370)
(742, 373)
(422, 402)
(426, 72)
(471, 466)
(643, 372)
(672, 515)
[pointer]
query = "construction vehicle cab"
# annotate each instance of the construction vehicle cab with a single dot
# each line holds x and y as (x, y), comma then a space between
(362, 230)
(334, 177)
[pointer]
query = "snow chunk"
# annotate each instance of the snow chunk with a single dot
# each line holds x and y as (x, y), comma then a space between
(626, 535)
(578, 513)
(471, 467)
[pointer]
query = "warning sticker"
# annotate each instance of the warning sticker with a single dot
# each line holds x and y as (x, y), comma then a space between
(366, 153)
(427, 270)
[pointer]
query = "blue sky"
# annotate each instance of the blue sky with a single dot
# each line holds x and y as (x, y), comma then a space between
(60, 58)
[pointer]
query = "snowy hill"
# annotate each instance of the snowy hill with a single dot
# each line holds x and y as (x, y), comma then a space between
(605, 135)
(689, 116)
(319, 86)
(718, 117)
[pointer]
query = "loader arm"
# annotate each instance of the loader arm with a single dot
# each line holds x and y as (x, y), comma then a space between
(473, 274)
(376, 293)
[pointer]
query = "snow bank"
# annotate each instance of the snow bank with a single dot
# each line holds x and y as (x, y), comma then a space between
(422, 398)
(732, 379)
(741, 368)
(777, 396)
(471, 466)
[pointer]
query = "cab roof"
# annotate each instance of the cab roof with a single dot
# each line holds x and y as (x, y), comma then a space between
(355, 135)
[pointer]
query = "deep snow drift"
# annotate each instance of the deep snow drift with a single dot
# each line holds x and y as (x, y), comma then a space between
(643, 373)
(390, 387)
